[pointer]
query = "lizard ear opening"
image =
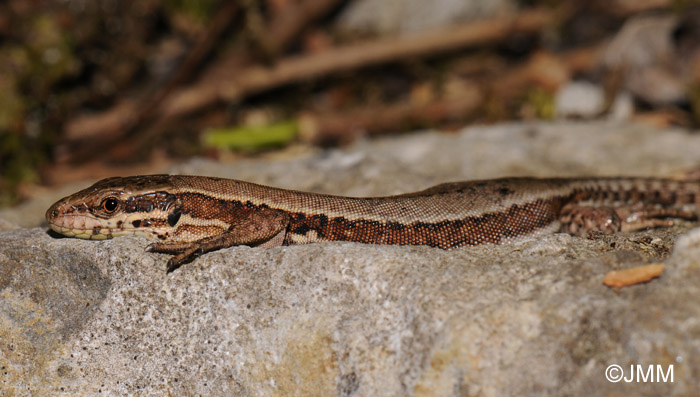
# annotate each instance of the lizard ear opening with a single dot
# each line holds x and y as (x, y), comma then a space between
(174, 216)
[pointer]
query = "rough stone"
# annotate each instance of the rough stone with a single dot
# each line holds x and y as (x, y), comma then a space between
(84, 317)
(411, 16)
(580, 99)
(87, 317)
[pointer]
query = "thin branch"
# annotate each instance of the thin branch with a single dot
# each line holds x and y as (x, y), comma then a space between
(333, 129)
(85, 133)
(240, 84)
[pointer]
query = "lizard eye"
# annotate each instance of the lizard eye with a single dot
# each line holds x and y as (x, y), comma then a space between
(110, 204)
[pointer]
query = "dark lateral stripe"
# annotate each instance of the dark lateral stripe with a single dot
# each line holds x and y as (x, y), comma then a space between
(517, 221)
(149, 202)
(201, 206)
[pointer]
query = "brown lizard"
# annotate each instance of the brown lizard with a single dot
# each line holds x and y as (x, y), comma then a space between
(192, 215)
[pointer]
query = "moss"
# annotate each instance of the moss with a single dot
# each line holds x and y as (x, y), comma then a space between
(252, 139)
(540, 103)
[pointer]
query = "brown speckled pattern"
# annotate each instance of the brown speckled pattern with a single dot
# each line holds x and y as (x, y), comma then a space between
(491, 228)
(179, 209)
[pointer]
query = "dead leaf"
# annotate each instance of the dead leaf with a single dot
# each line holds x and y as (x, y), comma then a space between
(633, 275)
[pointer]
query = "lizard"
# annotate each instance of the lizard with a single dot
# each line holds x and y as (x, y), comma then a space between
(192, 215)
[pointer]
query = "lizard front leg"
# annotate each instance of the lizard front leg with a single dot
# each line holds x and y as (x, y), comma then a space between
(265, 227)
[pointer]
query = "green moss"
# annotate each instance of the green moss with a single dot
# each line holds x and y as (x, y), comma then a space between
(252, 139)
(542, 102)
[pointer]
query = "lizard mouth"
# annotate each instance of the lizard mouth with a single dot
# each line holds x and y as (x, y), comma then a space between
(82, 227)
(75, 221)
(90, 228)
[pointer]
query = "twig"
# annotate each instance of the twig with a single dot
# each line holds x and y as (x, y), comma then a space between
(204, 45)
(259, 78)
(86, 133)
(333, 129)
(338, 128)
(128, 113)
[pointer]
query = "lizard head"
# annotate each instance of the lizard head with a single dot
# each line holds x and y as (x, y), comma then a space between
(117, 206)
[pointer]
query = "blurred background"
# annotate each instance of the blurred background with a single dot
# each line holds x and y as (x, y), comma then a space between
(95, 88)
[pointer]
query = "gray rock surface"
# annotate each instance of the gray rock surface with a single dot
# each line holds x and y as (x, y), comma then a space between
(658, 68)
(412, 16)
(86, 317)
(579, 99)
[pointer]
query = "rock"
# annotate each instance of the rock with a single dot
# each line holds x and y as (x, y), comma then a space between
(89, 317)
(658, 62)
(622, 107)
(7, 225)
(412, 16)
(579, 99)
(86, 317)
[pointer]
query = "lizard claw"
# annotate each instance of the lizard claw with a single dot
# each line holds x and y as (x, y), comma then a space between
(173, 264)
